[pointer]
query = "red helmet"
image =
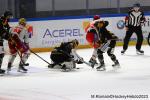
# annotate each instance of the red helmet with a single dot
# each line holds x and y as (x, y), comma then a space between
(96, 17)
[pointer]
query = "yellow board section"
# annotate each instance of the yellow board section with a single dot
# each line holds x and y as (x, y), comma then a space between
(84, 46)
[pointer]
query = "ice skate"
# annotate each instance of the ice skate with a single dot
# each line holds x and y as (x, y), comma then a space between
(140, 52)
(123, 52)
(101, 68)
(22, 69)
(26, 64)
(93, 62)
(2, 72)
(116, 64)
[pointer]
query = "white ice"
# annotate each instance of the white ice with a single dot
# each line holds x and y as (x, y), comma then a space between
(41, 83)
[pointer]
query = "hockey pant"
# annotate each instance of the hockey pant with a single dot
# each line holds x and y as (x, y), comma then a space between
(18, 47)
(110, 52)
(59, 57)
(104, 47)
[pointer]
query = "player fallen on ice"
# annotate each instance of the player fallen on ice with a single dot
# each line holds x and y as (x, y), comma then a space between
(19, 44)
(104, 41)
(65, 55)
(4, 34)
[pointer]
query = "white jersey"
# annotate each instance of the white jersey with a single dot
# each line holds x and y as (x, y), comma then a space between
(22, 33)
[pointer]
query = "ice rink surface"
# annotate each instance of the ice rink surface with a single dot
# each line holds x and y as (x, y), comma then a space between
(41, 83)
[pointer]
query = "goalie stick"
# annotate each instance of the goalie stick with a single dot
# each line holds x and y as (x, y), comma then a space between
(89, 64)
(39, 57)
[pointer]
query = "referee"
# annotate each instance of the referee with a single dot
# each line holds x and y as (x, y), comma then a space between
(133, 25)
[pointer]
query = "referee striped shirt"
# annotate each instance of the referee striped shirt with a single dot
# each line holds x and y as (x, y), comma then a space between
(134, 18)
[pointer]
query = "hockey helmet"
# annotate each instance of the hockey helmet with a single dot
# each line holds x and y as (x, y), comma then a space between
(8, 13)
(22, 21)
(75, 43)
(97, 23)
(137, 5)
(96, 17)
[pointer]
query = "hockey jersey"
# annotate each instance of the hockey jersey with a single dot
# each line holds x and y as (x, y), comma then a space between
(18, 40)
(93, 36)
(22, 33)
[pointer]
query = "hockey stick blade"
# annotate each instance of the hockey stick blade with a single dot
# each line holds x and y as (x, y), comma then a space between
(86, 63)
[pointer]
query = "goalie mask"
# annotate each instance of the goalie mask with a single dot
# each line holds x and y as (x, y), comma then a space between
(75, 43)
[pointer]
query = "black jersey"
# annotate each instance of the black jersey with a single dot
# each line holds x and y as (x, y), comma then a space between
(105, 34)
(4, 28)
(65, 47)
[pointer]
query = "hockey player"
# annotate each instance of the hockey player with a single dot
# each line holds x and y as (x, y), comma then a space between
(87, 30)
(99, 37)
(65, 55)
(19, 43)
(4, 34)
(108, 41)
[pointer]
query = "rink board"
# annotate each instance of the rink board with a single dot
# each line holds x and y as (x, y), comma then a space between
(50, 32)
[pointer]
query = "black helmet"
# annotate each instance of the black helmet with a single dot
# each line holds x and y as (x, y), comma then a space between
(136, 5)
(7, 13)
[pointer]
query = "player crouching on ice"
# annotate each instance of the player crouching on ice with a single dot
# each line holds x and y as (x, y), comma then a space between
(65, 56)
(99, 37)
(18, 44)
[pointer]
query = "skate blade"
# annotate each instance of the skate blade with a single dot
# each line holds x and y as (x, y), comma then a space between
(22, 71)
(140, 53)
(122, 53)
(2, 74)
(8, 70)
(66, 70)
(101, 69)
(116, 67)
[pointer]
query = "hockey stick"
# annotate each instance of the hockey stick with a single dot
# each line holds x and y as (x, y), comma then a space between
(39, 57)
(83, 61)
(86, 63)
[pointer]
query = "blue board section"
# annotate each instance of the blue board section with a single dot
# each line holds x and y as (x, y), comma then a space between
(72, 17)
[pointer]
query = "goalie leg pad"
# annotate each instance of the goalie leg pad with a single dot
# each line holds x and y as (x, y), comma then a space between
(70, 65)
